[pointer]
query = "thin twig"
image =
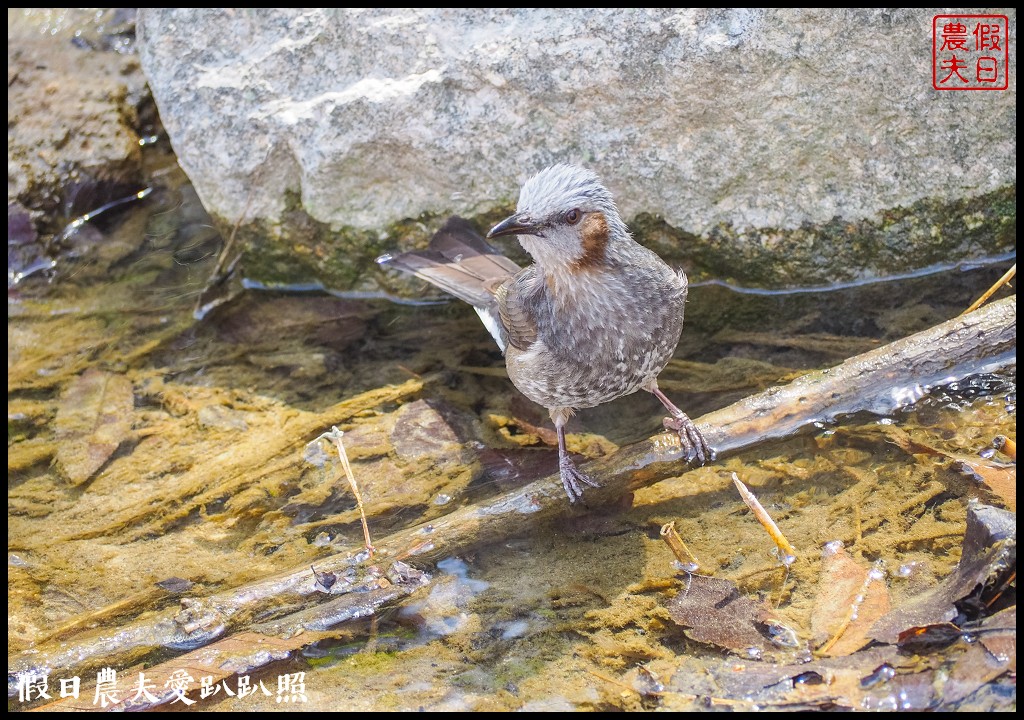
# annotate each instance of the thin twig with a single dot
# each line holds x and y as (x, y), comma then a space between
(613, 681)
(787, 553)
(678, 547)
(334, 436)
(1007, 277)
(220, 273)
(858, 531)
(782, 586)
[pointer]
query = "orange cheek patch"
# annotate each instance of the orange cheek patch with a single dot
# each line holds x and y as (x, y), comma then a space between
(594, 232)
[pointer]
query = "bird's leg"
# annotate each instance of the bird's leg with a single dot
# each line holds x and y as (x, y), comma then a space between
(571, 476)
(694, 444)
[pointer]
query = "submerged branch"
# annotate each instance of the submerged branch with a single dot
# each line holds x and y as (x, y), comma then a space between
(881, 380)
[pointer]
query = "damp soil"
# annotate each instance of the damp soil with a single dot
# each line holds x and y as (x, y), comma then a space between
(154, 458)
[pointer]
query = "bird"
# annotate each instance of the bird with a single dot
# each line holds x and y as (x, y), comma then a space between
(597, 316)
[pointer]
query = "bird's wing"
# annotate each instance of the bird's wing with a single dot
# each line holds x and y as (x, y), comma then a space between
(517, 305)
(458, 261)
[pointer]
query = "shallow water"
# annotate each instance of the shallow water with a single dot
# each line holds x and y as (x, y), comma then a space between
(154, 457)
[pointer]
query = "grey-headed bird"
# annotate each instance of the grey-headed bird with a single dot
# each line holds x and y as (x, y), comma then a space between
(597, 316)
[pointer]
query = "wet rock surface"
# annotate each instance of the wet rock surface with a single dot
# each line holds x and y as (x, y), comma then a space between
(77, 100)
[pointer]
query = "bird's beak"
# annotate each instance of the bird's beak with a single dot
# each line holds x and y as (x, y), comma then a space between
(515, 225)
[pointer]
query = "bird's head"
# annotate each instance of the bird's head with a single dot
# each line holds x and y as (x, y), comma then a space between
(565, 219)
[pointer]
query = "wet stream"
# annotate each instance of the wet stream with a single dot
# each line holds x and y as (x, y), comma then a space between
(154, 458)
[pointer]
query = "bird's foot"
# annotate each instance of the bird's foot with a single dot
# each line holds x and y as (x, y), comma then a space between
(572, 478)
(694, 445)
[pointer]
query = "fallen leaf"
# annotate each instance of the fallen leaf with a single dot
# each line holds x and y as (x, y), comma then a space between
(989, 555)
(926, 639)
(999, 478)
(850, 598)
(999, 636)
(979, 664)
(263, 322)
(873, 679)
(714, 611)
(94, 417)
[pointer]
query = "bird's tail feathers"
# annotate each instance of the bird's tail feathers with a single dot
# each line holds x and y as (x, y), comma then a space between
(460, 262)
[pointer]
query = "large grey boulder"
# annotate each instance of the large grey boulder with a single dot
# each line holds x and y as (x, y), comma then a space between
(770, 146)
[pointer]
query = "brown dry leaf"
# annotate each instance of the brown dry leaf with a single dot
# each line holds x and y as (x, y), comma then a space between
(264, 321)
(880, 678)
(94, 417)
(989, 555)
(714, 611)
(1000, 637)
(849, 600)
(984, 661)
(999, 478)
(873, 679)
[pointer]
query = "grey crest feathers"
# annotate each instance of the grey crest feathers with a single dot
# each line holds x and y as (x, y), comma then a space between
(560, 188)
(563, 187)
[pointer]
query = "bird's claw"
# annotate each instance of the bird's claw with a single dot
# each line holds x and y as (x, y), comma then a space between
(572, 479)
(694, 445)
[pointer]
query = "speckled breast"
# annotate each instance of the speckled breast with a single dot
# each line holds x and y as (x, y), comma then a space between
(605, 343)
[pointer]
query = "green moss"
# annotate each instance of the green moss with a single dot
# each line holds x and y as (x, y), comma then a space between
(514, 670)
(375, 662)
(897, 240)
(302, 250)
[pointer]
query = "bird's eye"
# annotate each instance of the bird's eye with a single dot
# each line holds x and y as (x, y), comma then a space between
(573, 216)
